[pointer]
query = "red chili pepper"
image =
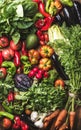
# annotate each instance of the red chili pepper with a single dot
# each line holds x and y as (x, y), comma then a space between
(1, 57)
(10, 97)
(24, 51)
(48, 22)
(17, 59)
(42, 9)
(37, 1)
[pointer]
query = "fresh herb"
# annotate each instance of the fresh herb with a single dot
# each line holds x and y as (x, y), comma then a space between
(5, 86)
(69, 51)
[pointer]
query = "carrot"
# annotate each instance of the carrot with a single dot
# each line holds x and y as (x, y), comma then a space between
(52, 115)
(49, 118)
(64, 126)
(45, 125)
(60, 119)
(71, 119)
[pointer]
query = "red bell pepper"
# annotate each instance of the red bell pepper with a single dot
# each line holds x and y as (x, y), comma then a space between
(17, 59)
(48, 22)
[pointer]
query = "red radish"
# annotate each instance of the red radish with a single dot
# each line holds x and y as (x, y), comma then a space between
(41, 71)
(31, 74)
(35, 69)
(46, 74)
(39, 76)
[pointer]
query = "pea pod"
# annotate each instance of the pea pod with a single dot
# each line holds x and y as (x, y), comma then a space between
(6, 114)
(11, 69)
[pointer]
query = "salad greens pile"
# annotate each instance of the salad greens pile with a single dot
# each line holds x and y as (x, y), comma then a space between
(16, 18)
(43, 96)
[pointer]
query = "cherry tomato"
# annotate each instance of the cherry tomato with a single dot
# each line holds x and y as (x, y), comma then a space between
(7, 123)
(4, 42)
(3, 72)
(59, 82)
(42, 42)
(14, 46)
(46, 37)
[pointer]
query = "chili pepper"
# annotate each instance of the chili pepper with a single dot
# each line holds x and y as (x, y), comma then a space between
(37, 1)
(48, 22)
(24, 51)
(42, 9)
(10, 97)
(11, 69)
(6, 114)
(17, 59)
(1, 57)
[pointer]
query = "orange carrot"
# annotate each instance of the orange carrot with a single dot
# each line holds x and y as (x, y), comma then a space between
(71, 119)
(45, 125)
(64, 126)
(51, 116)
(60, 119)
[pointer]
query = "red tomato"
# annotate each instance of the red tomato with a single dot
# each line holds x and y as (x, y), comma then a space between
(8, 54)
(4, 42)
(3, 72)
(7, 123)
(59, 82)
(14, 46)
